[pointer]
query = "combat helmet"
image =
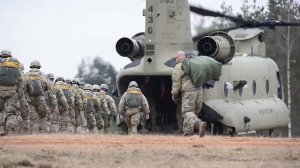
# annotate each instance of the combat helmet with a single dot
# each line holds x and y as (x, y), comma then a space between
(76, 81)
(133, 84)
(5, 53)
(104, 87)
(50, 76)
(81, 84)
(88, 87)
(35, 64)
(96, 88)
(59, 78)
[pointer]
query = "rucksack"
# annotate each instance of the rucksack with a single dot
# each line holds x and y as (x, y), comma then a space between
(9, 71)
(202, 69)
(37, 86)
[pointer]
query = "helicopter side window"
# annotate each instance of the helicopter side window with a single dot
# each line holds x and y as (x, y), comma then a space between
(267, 87)
(254, 87)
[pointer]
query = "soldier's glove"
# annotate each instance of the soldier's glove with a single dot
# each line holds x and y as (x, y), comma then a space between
(209, 84)
(175, 99)
(146, 116)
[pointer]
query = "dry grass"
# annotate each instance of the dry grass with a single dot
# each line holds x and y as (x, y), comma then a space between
(147, 151)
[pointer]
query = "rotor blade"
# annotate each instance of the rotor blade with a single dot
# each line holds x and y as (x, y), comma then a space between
(206, 33)
(205, 12)
(270, 23)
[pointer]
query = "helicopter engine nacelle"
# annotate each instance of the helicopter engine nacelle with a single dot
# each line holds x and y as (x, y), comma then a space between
(218, 45)
(131, 48)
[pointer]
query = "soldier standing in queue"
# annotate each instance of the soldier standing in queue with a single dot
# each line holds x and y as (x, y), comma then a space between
(23, 97)
(191, 98)
(102, 113)
(92, 104)
(66, 88)
(11, 82)
(111, 106)
(79, 109)
(39, 110)
(131, 104)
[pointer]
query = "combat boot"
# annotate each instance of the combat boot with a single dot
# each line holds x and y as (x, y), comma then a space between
(202, 128)
(2, 131)
(144, 130)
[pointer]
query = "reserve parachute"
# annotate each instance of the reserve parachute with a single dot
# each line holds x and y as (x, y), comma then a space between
(202, 69)
(9, 71)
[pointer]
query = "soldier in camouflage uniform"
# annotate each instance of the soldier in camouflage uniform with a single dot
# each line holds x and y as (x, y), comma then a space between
(111, 106)
(92, 104)
(11, 83)
(131, 104)
(79, 107)
(39, 110)
(66, 87)
(102, 113)
(63, 107)
(23, 96)
(191, 98)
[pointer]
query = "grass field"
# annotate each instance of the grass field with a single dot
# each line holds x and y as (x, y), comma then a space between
(62, 150)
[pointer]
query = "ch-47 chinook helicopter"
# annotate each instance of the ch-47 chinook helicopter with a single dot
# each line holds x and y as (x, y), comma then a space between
(247, 97)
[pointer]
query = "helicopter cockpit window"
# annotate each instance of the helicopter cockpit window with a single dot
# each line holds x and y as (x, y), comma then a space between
(254, 87)
(267, 87)
(279, 89)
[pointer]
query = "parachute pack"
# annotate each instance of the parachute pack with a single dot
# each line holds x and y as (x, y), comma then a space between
(133, 98)
(202, 69)
(37, 86)
(9, 71)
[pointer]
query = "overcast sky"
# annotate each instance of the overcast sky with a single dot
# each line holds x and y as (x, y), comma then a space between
(60, 33)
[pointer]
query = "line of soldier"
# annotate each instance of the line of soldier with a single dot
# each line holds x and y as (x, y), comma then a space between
(34, 103)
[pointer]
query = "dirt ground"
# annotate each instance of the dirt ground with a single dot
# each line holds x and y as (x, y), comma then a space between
(63, 150)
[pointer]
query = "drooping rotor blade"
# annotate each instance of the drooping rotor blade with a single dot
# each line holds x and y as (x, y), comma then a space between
(206, 12)
(270, 23)
(206, 33)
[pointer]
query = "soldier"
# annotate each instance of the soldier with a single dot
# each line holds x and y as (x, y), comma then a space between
(102, 113)
(191, 98)
(63, 107)
(23, 96)
(92, 104)
(66, 88)
(39, 110)
(79, 113)
(131, 104)
(111, 106)
(11, 83)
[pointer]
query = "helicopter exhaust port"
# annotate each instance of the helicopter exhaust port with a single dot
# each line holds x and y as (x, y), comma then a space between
(131, 48)
(218, 45)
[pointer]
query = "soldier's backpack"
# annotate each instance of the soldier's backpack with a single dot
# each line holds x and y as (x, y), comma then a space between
(9, 71)
(37, 84)
(133, 98)
(67, 91)
(202, 69)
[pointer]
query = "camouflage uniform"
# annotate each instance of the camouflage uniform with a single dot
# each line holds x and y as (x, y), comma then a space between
(39, 110)
(66, 88)
(25, 113)
(191, 98)
(92, 104)
(131, 111)
(9, 101)
(62, 106)
(102, 112)
(53, 115)
(113, 112)
(79, 113)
